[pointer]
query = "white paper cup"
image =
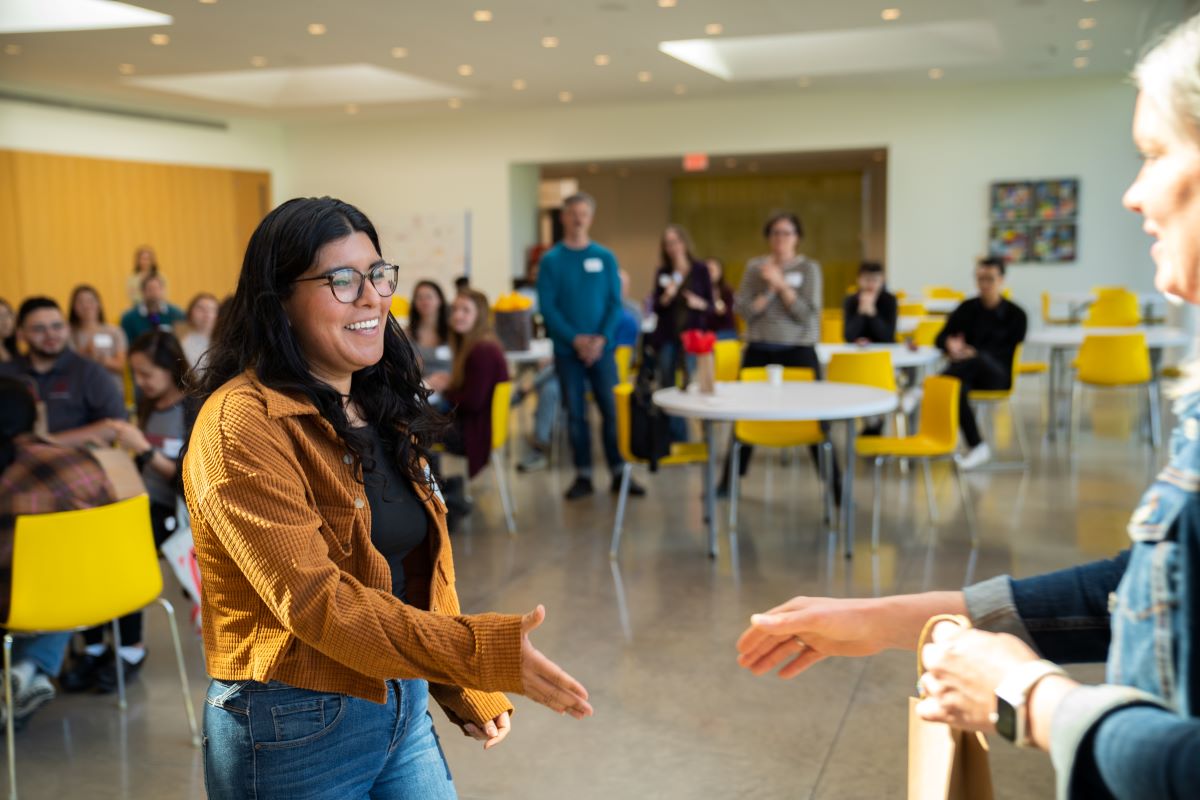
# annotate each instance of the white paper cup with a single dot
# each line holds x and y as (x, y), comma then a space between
(775, 374)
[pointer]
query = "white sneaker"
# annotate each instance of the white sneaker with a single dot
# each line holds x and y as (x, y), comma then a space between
(979, 455)
(36, 694)
(910, 400)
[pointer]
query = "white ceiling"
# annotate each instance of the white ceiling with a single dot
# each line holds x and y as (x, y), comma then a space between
(816, 45)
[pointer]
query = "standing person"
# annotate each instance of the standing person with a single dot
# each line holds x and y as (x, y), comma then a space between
(154, 312)
(429, 329)
(94, 338)
(980, 338)
(8, 332)
(201, 320)
(329, 610)
(145, 264)
(160, 372)
(683, 299)
(780, 300)
(869, 315)
(479, 365)
(721, 320)
(78, 393)
(579, 293)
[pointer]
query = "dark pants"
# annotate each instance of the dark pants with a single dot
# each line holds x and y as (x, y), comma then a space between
(575, 379)
(984, 373)
(671, 359)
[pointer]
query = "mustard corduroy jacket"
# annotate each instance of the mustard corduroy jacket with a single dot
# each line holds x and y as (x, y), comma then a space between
(294, 591)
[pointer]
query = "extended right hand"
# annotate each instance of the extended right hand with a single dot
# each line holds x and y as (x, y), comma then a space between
(805, 630)
(546, 682)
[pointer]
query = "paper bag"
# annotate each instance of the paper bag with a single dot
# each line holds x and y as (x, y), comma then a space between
(945, 763)
(122, 473)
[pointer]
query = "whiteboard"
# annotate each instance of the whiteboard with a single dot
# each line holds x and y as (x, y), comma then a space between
(429, 245)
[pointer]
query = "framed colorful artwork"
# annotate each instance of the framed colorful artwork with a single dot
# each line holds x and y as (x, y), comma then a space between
(1034, 221)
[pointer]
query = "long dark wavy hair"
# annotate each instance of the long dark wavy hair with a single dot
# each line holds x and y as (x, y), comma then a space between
(443, 315)
(164, 352)
(254, 333)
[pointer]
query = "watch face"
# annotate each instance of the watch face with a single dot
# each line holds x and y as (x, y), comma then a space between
(1006, 719)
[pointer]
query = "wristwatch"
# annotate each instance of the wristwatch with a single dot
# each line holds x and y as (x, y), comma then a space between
(1011, 716)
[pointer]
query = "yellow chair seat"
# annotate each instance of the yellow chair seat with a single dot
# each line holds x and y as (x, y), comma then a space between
(904, 446)
(777, 434)
(1033, 367)
(686, 453)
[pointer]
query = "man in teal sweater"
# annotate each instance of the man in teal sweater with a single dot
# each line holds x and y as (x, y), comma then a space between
(579, 294)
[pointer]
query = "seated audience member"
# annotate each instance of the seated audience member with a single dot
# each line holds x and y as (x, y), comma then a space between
(160, 371)
(145, 264)
(153, 313)
(980, 338)
(545, 385)
(94, 338)
(37, 476)
(479, 365)
(201, 319)
(429, 331)
(79, 395)
(8, 332)
(870, 313)
(721, 319)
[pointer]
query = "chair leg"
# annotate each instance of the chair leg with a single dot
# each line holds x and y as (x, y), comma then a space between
(1019, 430)
(827, 477)
(877, 502)
(1073, 418)
(121, 702)
(1155, 414)
(735, 482)
(968, 512)
(183, 678)
(619, 522)
(502, 487)
(930, 500)
(8, 718)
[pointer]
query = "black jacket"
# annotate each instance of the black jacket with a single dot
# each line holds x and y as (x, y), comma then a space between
(879, 328)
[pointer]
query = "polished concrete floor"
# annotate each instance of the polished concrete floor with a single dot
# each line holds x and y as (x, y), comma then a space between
(652, 635)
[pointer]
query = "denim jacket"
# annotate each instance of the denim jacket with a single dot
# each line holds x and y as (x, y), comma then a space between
(1138, 735)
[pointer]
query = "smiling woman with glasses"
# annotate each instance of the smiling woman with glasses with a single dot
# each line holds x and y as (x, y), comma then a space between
(329, 610)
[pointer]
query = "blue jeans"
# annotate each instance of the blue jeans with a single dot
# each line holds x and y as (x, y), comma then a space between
(272, 740)
(602, 378)
(46, 651)
(549, 399)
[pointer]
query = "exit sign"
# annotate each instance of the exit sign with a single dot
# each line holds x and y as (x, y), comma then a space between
(695, 162)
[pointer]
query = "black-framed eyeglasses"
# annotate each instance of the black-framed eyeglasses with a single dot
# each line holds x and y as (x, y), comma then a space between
(347, 283)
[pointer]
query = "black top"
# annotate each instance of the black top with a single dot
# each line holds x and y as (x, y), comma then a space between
(993, 332)
(399, 523)
(77, 391)
(677, 316)
(879, 328)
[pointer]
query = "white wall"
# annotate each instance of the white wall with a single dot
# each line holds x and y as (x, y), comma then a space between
(946, 143)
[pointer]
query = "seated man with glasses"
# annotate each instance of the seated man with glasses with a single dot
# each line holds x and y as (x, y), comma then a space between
(980, 338)
(79, 395)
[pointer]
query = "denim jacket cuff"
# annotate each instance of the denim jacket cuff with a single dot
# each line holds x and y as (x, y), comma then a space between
(991, 607)
(1078, 713)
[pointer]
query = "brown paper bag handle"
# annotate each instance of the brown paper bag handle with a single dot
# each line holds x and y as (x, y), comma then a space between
(927, 634)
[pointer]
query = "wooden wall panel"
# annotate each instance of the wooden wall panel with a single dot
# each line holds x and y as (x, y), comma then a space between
(78, 220)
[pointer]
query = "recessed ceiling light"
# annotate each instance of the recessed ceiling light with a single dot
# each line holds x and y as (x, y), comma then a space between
(258, 61)
(12, 49)
(600, 60)
(1087, 23)
(454, 102)
(160, 39)
(680, 89)
(1083, 44)
(565, 97)
(399, 52)
(351, 108)
(549, 41)
(804, 83)
(316, 28)
(593, 168)
(936, 73)
(208, 2)
(667, 3)
(1081, 62)
(731, 162)
(890, 14)
(125, 69)
(466, 70)
(714, 29)
(644, 77)
(519, 84)
(483, 15)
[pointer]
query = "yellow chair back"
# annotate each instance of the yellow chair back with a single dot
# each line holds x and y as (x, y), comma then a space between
(1121, 360)
(777, 434)
(501, 406)
(681, 452)
(399, 307)
(727, 355)
(1002, 394)
(869, 368)
(624, 357)
(833, 330)
(1117, 308)
(943, 293)
(900, 295)
(1100, 291)
(927, 331)
(938, 425)
(911, 309)
(77, 569)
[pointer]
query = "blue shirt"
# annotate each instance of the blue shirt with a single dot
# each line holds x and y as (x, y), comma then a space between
(579, 292)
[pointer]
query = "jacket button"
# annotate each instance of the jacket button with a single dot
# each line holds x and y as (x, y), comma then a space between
(358, 502)
(349, 459)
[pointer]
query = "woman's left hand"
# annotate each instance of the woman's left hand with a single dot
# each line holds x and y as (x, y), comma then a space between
(963, 667)
(492, 733)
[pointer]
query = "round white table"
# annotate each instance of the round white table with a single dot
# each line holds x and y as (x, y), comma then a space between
(809, 400)
(903, 356)
(1063, 338)
(538, 349)
(937, 305)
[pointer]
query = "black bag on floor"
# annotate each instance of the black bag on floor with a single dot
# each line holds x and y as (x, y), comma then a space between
(649, 436)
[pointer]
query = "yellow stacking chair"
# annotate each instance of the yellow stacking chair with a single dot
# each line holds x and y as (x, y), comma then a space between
(682, 454)
(869, 368)
(501, 409)
(73, 570)
(944, 293)
(399, 307)
(936, 438)
(927, 331)
(1048, 318)
(833, 330)
(779, 434)
(727, 357)
(911, 310)
(1113, 309)
(624, 358)
(993, 397)
(1115, 361)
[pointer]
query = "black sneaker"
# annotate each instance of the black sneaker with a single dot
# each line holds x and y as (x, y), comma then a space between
(582, 487)
(635, 488)
(106, 674)
(81, 677)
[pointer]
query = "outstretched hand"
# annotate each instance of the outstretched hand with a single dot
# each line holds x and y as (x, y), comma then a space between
(545, 682)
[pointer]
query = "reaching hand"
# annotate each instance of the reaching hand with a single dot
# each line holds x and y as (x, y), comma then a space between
(546, 682)
(805, 630)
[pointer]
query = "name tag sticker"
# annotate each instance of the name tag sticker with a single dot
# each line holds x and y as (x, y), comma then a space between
(664, 281)
(442, 352)
(171, 447)
(794, 279)
(593, 265)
